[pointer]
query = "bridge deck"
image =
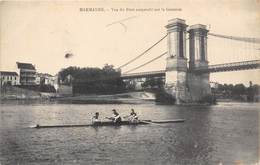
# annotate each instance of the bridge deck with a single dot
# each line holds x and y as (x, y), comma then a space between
(159, 73)
(235, 66)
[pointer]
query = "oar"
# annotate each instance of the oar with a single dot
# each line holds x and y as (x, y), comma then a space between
(163, 121)
(149, 122)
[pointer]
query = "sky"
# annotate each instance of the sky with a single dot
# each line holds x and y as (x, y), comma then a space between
(43, 32)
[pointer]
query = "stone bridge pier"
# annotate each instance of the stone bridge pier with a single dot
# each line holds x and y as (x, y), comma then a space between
(198, 83)
(182, 81)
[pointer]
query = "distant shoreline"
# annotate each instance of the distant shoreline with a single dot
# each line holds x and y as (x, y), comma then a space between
(124, 98)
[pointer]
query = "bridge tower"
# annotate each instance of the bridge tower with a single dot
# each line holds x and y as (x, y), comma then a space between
(176, 62)
(198, 83)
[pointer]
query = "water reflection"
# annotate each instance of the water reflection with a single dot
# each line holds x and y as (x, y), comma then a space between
(193, 139)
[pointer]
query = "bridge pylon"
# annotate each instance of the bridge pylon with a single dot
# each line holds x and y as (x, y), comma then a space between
(176, 65)
(198, 83)
(183, 82)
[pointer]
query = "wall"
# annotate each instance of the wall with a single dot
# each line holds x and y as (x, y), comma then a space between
(12, 92)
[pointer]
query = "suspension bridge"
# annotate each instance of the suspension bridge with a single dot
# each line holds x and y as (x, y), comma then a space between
(235, 66)
(187, 78)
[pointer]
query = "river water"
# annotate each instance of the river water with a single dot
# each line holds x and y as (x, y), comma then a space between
(227, 133)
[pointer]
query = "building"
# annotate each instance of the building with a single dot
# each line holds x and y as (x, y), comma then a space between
(214, 85)
(27, 73)
(56, 82)
(10, 78)
(44, 78)
(68, 80)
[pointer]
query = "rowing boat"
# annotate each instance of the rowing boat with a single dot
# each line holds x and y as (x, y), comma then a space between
(110, 123)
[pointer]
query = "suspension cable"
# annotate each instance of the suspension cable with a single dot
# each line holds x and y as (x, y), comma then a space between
(132, 60)
(244, 39)
(145, 63)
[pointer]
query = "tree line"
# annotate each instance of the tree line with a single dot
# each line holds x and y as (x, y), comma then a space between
(89, 80)
(237, 91)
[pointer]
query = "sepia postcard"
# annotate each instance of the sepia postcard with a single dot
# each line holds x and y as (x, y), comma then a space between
(149, 82)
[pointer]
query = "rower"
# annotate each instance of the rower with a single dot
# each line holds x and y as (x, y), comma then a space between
(133, 116)
(116, 118)
(95, 118)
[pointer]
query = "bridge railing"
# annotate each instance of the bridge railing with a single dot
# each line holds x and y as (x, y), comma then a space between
(244, 65)
(254, 64)
(144, 74)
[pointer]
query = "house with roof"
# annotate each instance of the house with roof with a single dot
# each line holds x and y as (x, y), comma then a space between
(27, 73)
(44, 78)
(10, 78)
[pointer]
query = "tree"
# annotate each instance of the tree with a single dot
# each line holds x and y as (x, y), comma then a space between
(252, 91)
(108, 68)
(256, 89)
(72, 70)
(239, 89)
(94, 80)
(220, 87)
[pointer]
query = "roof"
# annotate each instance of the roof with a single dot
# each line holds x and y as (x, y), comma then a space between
(25, 65)
(44, 74)
(6, 73)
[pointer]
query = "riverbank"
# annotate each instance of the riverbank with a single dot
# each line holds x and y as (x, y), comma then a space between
(123, 98)
(14, 93)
